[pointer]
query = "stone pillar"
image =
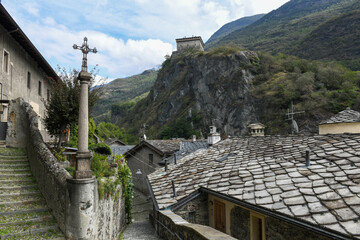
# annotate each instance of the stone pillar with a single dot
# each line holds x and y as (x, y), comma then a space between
(83, 155)
(81, 210)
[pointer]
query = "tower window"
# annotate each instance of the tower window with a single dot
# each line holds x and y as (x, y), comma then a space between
(6, 62)
(39, 88)
(28, 80)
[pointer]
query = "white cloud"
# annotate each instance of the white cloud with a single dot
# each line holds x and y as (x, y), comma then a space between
(131, 36)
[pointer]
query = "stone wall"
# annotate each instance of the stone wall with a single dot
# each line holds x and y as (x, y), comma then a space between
(173, 227)
(196, 211)
(111, 216)
(77, 218)
(15, 80)
(50, 176)
(240, 223)
(280, 230)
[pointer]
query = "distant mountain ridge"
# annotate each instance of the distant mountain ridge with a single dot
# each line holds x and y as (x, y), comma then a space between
(231, 27)
(299, 25)
(121, 90)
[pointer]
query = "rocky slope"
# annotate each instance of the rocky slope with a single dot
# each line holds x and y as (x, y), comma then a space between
(201, 88)
(234, 88)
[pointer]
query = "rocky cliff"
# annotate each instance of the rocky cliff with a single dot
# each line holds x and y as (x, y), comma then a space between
(233, 88)
(201, 87)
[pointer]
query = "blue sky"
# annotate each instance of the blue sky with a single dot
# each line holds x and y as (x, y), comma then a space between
(130, 35)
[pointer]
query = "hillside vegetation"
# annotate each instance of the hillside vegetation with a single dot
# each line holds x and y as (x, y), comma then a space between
(231, 27)
(240, 87)
(121, 90)
(326, 29)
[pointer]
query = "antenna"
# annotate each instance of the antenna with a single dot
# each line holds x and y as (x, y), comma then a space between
(290, 114)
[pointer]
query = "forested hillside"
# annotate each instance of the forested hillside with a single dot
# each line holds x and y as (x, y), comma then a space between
(326, 29)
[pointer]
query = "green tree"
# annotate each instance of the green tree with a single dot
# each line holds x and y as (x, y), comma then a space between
(62, 109)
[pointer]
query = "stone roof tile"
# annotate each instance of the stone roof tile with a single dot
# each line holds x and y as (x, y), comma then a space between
(346, 116)
(270, 172)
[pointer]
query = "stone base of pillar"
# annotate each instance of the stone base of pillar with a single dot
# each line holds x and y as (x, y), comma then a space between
(83, 165)
(80, 220)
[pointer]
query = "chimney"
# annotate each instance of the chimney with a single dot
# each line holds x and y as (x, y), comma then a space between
(213, 137)
(307, 157)
(194, 138)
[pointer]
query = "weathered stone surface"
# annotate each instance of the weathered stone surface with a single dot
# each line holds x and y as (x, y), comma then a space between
(323, 192)
(240, 224)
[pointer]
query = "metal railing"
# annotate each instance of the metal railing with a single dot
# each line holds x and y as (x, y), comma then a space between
(166, 228)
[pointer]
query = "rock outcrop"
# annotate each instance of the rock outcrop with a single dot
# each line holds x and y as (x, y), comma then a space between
(204, 87)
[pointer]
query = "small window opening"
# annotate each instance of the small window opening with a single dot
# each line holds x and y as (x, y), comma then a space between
(39, 90)
(6, 62)
(48, 95)
(28, 80)
(151, 158)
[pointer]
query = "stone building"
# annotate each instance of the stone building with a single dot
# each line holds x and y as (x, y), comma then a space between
(24, 71)
(299, 187)
(150, 155)
(347, 121)
(185, 43)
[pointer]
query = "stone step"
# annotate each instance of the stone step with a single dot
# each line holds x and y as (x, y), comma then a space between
(13, 157)
(25, 215)
(22, 206)
(37, 233)
(13, 162)
(20, 165)
(18, 175)
(15, 170)
(16, 182)
(19, 199)
(26, 221)
(18, 187)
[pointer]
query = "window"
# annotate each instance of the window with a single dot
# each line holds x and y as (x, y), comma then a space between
(151, 158)
(39, 90)
(28, 80)
(257, 226)
(6, 62)
(48, 95)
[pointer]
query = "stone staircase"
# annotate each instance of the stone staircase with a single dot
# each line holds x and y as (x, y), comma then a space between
(23, 210)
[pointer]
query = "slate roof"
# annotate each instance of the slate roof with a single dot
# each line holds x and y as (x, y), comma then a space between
(166, 146)
(270, 172)
(162, 147)
(346, 116)
(117, 149)
(186, 147)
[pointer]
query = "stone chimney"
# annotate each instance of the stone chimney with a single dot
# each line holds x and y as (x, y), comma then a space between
(194, 138)
(213, 136)
(257, 129)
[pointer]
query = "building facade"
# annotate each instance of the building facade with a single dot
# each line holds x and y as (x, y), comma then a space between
(183, 44)
(347, 121)
(24, 71)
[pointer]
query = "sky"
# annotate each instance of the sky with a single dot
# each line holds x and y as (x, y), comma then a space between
(130, 35)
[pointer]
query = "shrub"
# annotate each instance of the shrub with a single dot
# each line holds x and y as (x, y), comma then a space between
(101, 148)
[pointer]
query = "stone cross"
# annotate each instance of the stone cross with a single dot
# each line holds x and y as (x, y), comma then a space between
(83, 155)
(85, 50)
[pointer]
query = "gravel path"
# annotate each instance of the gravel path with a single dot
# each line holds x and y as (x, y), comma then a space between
(141, 228)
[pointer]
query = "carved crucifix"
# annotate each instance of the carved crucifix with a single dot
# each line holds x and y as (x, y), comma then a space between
(85, 50)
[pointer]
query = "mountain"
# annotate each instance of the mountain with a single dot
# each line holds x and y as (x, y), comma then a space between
(231, 27)
(234, 88)
(292, 28)
(122, 90)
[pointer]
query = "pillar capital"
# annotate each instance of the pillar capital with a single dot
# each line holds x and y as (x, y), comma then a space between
(84, 76)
